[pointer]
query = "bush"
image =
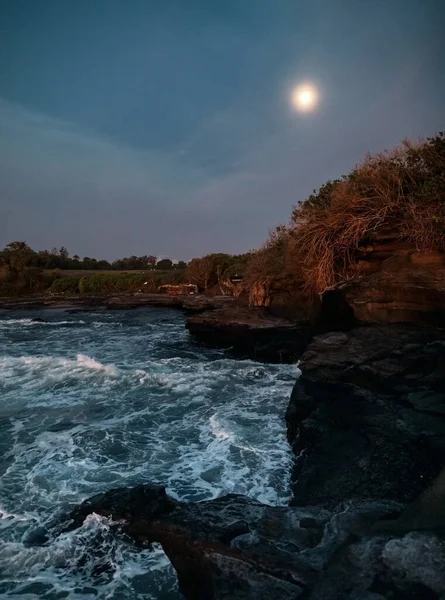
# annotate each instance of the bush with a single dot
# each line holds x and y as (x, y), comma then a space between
(101, 283)
(400, 192)
(64, 285)
(114, 283)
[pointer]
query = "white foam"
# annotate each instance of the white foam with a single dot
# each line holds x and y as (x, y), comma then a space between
(92, 408)
(217, 431)
(32, 322)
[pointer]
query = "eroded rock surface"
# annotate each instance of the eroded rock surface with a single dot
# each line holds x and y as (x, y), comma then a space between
(368, 414)
(238, 549)
(253, 332)
(399, 284)
(367, 522)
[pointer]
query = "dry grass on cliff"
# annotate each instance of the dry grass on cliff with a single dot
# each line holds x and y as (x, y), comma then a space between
(401, 192)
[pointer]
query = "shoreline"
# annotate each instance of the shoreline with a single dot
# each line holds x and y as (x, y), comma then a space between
(198, 303)
(365, 423)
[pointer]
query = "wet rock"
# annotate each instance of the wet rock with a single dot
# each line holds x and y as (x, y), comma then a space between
(198, 538)
(239, 549)
(251, 332)
(199, 304)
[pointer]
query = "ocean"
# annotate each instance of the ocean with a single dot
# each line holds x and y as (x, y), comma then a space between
(91, 400)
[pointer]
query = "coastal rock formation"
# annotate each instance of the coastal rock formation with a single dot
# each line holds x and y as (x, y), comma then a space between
(367, 416)
(251, 332)
(239, 549)
(196, 304)
(367, 521)
(398, 284)
(391, 282)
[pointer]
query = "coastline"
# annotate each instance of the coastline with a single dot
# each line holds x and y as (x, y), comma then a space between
(366, 425)
(116, 301)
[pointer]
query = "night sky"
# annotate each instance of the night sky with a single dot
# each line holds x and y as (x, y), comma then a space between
(165, 126)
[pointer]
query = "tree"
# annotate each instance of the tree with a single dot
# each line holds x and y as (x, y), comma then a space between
(164, 265)
(17, 256)
(199, 271)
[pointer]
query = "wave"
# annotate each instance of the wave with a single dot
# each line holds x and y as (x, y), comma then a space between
(28, 322)
(47, 373)
(90, 556)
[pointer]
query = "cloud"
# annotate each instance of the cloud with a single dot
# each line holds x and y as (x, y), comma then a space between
(64, 185)
(54, 150)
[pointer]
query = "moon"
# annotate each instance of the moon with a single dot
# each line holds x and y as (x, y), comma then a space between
(304, 97)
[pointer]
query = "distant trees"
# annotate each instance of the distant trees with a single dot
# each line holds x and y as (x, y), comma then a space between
(134, 263)
(164, 264)
(20, 255)
(199, 272)
(24, 269)
(19, 269)
(17, 256)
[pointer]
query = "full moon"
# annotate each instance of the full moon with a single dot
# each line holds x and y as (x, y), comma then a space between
(304, 97)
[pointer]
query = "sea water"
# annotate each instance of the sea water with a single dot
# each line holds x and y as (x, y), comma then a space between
(99, 399)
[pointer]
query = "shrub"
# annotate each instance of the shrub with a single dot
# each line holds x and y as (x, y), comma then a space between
(64, 285)
(400, 192)
(102, 283)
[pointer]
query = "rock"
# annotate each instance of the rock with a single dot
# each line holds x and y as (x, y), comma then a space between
(399, 284)
(234, 548)
(426, 512)
(251, 332)
(366, 418)
(198, 538)
(199, 304)
(122, 301)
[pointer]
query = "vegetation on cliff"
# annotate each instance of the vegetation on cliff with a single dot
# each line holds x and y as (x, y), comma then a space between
(218, 271)
(400, 193)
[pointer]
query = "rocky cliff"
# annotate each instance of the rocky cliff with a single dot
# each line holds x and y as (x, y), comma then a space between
(398, 283)
(367, 522)
(366, 421)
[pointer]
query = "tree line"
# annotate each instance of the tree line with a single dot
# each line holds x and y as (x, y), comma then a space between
(26, 271)
(20, 255)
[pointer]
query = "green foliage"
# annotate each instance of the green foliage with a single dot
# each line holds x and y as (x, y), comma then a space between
(134, 263)
(109, 284)
(215, 269)
(17, 256)
(319, 199)
(65, 285)
(164, 265)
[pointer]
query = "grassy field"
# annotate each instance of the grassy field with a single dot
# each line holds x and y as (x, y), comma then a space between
(82, 272)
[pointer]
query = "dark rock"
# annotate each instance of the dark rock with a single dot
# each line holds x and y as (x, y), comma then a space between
(199, 304)
(366, 418)
(198, 539)
(239, 549)
(118, 301)
(251, 332)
